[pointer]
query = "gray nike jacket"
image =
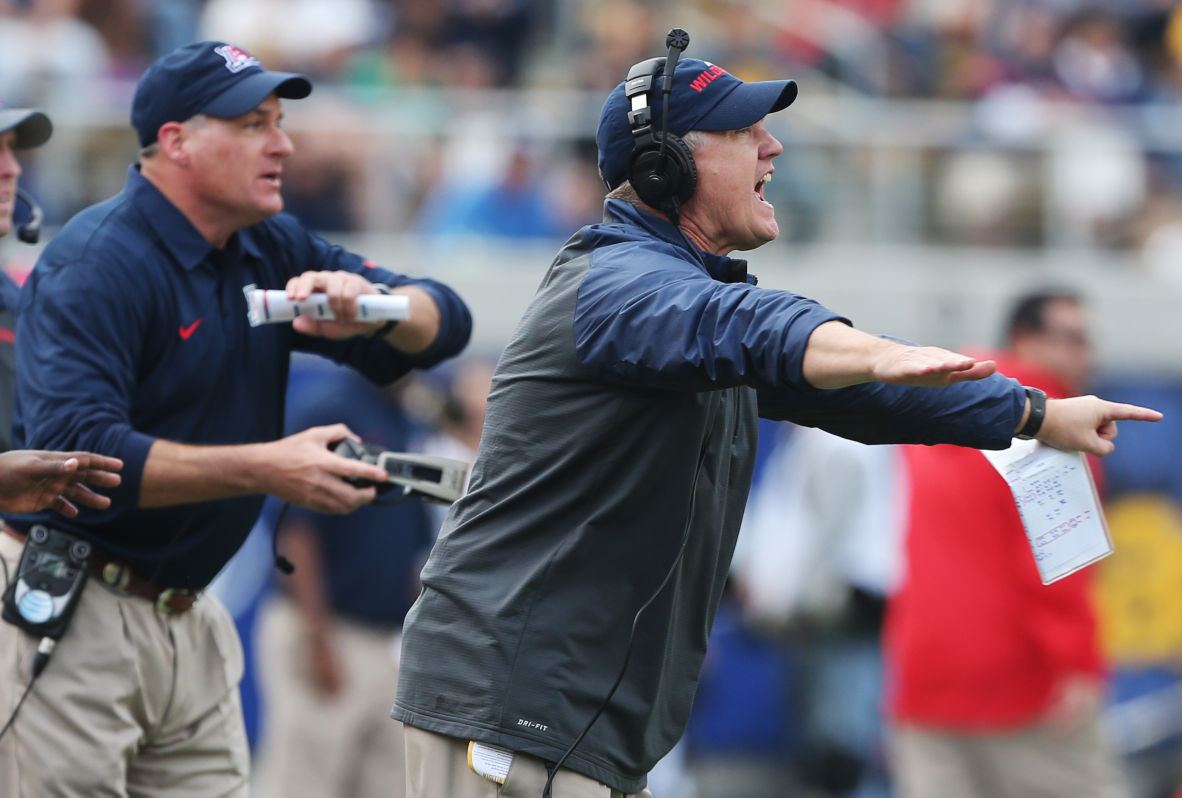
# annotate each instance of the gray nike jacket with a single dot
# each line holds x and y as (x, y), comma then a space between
(621, 427)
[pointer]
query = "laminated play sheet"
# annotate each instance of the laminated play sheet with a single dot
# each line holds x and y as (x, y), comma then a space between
(1060, 508)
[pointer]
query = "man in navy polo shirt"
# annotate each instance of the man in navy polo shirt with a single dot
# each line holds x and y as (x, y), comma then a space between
(133, 340)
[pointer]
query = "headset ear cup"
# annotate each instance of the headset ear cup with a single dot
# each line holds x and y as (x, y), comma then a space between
(647, 174)
(687, 170)
(663, 181)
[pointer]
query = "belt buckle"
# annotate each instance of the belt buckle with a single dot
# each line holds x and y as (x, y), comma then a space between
(116, 575)
(162, 600)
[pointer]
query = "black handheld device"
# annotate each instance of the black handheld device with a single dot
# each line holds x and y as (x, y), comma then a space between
(42, 595)
(438, 480)
(49, 579)
(366, 453)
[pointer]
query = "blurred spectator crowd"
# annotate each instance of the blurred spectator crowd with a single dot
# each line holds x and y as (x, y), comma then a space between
(1023, 123)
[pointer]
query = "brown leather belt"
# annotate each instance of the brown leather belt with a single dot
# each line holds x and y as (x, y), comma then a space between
(172, 600)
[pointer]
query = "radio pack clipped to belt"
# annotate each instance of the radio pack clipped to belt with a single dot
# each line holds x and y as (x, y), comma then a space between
(49, 579)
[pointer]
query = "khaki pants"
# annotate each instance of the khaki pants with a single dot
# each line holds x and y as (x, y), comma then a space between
(339, 746)
(1035, 762)
(437, 767)
(134, 702)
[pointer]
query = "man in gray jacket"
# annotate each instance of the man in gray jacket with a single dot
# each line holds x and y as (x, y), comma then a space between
(565, 610)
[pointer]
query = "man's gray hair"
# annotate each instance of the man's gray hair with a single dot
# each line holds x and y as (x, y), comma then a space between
(625, 192)
(153, 149)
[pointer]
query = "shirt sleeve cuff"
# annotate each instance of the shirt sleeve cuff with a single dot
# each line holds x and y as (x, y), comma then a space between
(133, 450)
(455, 327)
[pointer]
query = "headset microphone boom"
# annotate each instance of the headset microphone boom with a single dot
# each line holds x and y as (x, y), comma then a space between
(661, 168)
(30, 230)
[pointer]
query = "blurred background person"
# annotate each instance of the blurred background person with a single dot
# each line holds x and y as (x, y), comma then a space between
(48, 53)
(20, 129)
(514, 204)
(327, 639)
(995, 683)
(31, 480)
(819, 553)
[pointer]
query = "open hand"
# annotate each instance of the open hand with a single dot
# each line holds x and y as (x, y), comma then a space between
(838, 355)
(32, 480)
(929, 367)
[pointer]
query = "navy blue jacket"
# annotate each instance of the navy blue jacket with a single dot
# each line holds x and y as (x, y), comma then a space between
(619, 441)
(132, 327)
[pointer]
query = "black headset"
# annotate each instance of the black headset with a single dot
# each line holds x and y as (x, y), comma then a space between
(661, 168)
(30, 230)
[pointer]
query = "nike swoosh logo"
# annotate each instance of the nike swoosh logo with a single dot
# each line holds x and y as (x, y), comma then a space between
(188, 331)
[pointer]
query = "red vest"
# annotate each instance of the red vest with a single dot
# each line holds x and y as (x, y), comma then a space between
(973, 638)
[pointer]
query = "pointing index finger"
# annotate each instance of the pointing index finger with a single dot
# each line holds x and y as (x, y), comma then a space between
(1120, 411)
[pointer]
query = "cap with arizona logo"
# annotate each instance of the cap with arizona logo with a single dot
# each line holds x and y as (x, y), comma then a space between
(212, 78)
(704, 97)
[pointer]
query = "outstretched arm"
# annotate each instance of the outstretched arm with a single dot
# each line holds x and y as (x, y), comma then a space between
(299, 469)
(873, 398)
(32, 480)
(839, 355)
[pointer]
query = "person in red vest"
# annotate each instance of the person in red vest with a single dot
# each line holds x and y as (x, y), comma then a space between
(994, 681)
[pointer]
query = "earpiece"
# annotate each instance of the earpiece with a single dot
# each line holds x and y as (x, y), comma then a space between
(661, 168)
(29, 231)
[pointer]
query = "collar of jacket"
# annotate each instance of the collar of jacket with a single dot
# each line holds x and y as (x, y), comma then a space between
(720, 267)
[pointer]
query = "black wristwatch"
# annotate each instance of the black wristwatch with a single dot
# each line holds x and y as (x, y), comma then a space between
(380, 332)
(1038, 412)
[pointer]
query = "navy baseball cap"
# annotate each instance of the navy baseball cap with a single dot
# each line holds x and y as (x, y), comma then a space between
(32, 127)
(704, 97)
(212, 78)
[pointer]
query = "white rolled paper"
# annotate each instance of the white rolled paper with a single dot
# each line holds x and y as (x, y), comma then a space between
(271, 306)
